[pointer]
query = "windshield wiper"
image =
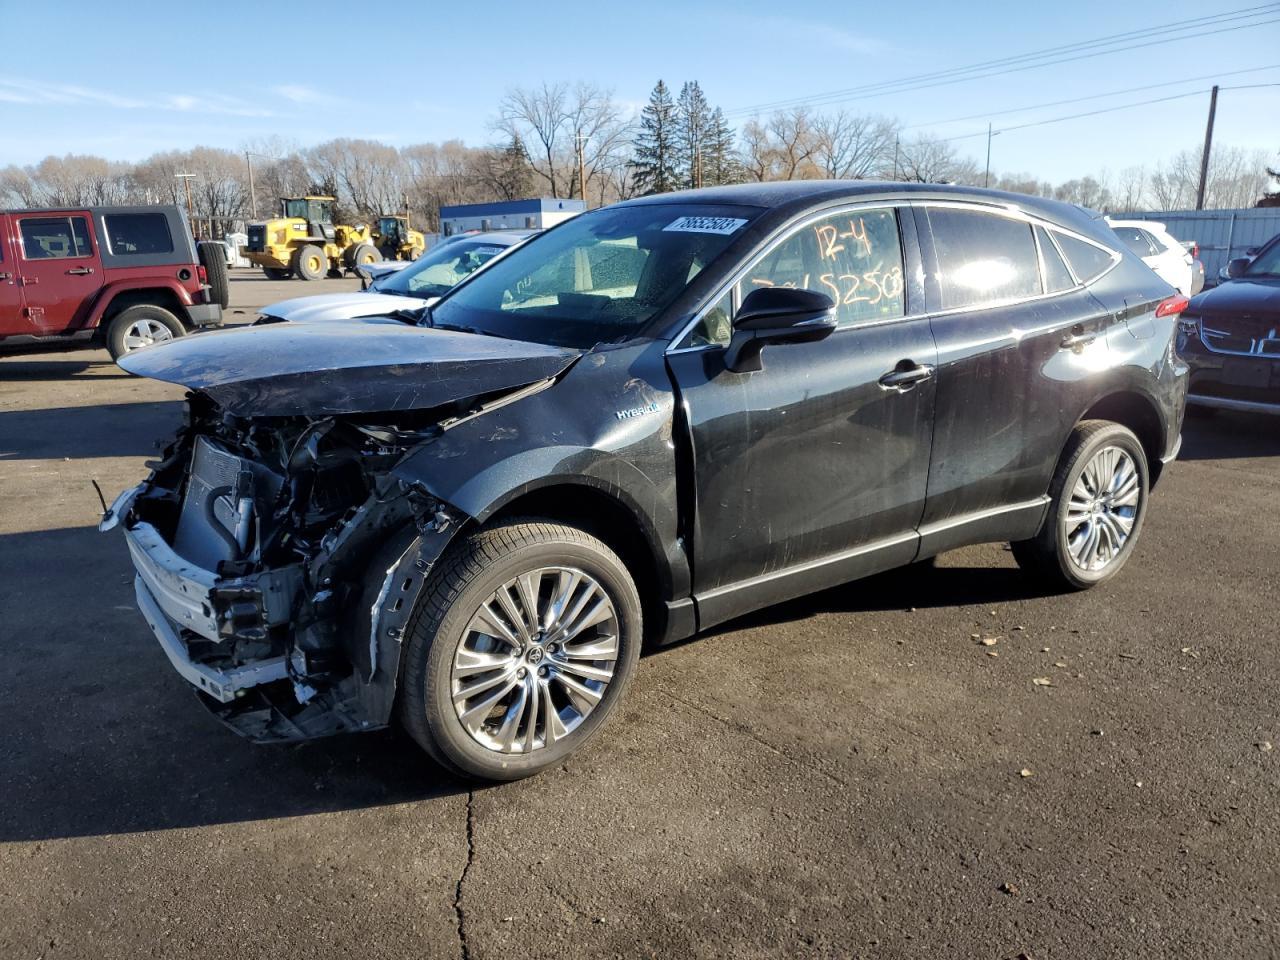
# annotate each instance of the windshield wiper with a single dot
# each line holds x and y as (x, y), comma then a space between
(413, 316)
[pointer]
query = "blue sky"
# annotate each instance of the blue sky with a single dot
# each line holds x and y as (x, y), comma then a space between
(130, 79)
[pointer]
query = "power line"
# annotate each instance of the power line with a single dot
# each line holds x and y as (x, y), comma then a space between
(1095, 96)
(1033, 60)
(1094, 113)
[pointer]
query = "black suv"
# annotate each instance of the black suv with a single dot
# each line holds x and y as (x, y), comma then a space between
(653, 418)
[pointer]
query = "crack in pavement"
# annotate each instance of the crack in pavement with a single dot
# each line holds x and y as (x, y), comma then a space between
(459, 913)
(750, 734)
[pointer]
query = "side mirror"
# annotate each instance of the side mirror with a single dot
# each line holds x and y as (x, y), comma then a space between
(1237, 266)
(777, 315)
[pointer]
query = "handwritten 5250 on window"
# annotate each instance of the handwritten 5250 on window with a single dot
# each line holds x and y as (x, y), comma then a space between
(855, 259)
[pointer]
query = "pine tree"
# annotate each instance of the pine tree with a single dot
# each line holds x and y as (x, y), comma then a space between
(720, 164)
(655, 146)
(693, 117)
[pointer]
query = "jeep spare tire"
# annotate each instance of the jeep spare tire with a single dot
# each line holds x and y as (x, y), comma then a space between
(213, 257)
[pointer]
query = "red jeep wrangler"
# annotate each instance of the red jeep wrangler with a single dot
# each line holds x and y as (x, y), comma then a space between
(120, 277)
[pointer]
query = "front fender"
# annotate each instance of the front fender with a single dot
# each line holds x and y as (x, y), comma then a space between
(606, 424)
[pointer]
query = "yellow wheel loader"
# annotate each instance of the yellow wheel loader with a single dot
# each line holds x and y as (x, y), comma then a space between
(305, 243)
(396, 240)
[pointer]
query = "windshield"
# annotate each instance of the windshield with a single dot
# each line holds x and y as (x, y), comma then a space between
(597, 278)
(1267, 264)
(439, 269)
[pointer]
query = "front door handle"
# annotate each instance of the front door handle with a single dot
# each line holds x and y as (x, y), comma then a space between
(80, 272)
(6, 276)
(906, 374)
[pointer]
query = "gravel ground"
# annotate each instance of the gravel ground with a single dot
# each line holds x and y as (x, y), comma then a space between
(851, 774)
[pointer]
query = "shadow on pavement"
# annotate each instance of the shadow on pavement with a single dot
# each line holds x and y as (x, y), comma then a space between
(77, 433)
(53, 370)
(1230, 436)
(920, 586)
(101, 736)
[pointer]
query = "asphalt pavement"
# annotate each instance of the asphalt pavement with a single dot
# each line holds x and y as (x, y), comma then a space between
(854, 774)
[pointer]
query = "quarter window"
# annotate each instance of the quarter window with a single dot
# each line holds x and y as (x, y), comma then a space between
(137, 233)
(983, 258)
(1056, 275)
(1139, 241)
(1087, 260)
(55, 238)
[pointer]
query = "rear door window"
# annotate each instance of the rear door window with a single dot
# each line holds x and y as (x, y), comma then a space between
(54, 238)
(1056, 275)
(1139, 241)
(1088, 260)
(983, 257)
(132, 234)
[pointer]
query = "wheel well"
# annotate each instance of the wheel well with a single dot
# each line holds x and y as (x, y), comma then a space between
(607, 519)
(155, 296)
(1139, 414)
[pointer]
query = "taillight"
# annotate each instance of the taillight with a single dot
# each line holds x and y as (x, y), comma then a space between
(1195, 251)
(1172, 306)
(202, 273)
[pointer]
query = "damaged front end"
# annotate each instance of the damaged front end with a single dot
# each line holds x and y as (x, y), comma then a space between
(279, 559)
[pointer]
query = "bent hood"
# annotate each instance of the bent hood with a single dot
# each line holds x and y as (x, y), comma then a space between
(349, 366)
(341, 306)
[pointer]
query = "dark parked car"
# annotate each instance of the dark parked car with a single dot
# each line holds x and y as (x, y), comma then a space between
(648, 420)
(1231, 337)
(119, 277)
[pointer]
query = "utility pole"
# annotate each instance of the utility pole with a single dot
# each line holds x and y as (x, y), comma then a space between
(895, 159)
(582, 168)
(1208, 143)
(986, 177)
(253, 194)
(186, 179)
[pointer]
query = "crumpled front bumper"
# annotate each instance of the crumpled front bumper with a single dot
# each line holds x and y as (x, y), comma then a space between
(176, 596)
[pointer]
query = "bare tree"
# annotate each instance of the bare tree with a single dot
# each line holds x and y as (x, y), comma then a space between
(538, 119)
(757, 151)
(926, 159)
(852, 146)
(795, 140)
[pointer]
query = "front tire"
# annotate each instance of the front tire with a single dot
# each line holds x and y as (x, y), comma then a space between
(522, 645)
(141, 326)
(309, 262)
(1098, 504)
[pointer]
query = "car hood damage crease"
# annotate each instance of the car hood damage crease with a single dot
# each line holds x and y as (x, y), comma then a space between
(346, 367)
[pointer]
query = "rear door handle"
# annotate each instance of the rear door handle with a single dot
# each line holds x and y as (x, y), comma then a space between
(902, 376)
(1074, 341)
(30, 281)
(80, 272)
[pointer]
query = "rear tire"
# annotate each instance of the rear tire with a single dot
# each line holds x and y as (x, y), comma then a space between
(309, 262)
(1096, 511)
(213, 257)
(450, 648)
(277, 273)
(141, 326)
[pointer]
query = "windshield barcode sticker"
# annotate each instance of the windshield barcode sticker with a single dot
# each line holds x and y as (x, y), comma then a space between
(724, 225)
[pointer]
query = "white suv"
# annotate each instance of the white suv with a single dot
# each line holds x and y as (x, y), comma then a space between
(1171, 261)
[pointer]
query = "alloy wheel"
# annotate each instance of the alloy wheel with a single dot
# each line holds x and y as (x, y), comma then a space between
(535, 660)
(1104, 506)
(143, 333)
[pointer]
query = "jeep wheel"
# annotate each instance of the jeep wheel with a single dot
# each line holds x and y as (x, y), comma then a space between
(277, 273)
(1099, 501)
(523, 642)
(213, 257)
(141, 326)
(309, 262)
